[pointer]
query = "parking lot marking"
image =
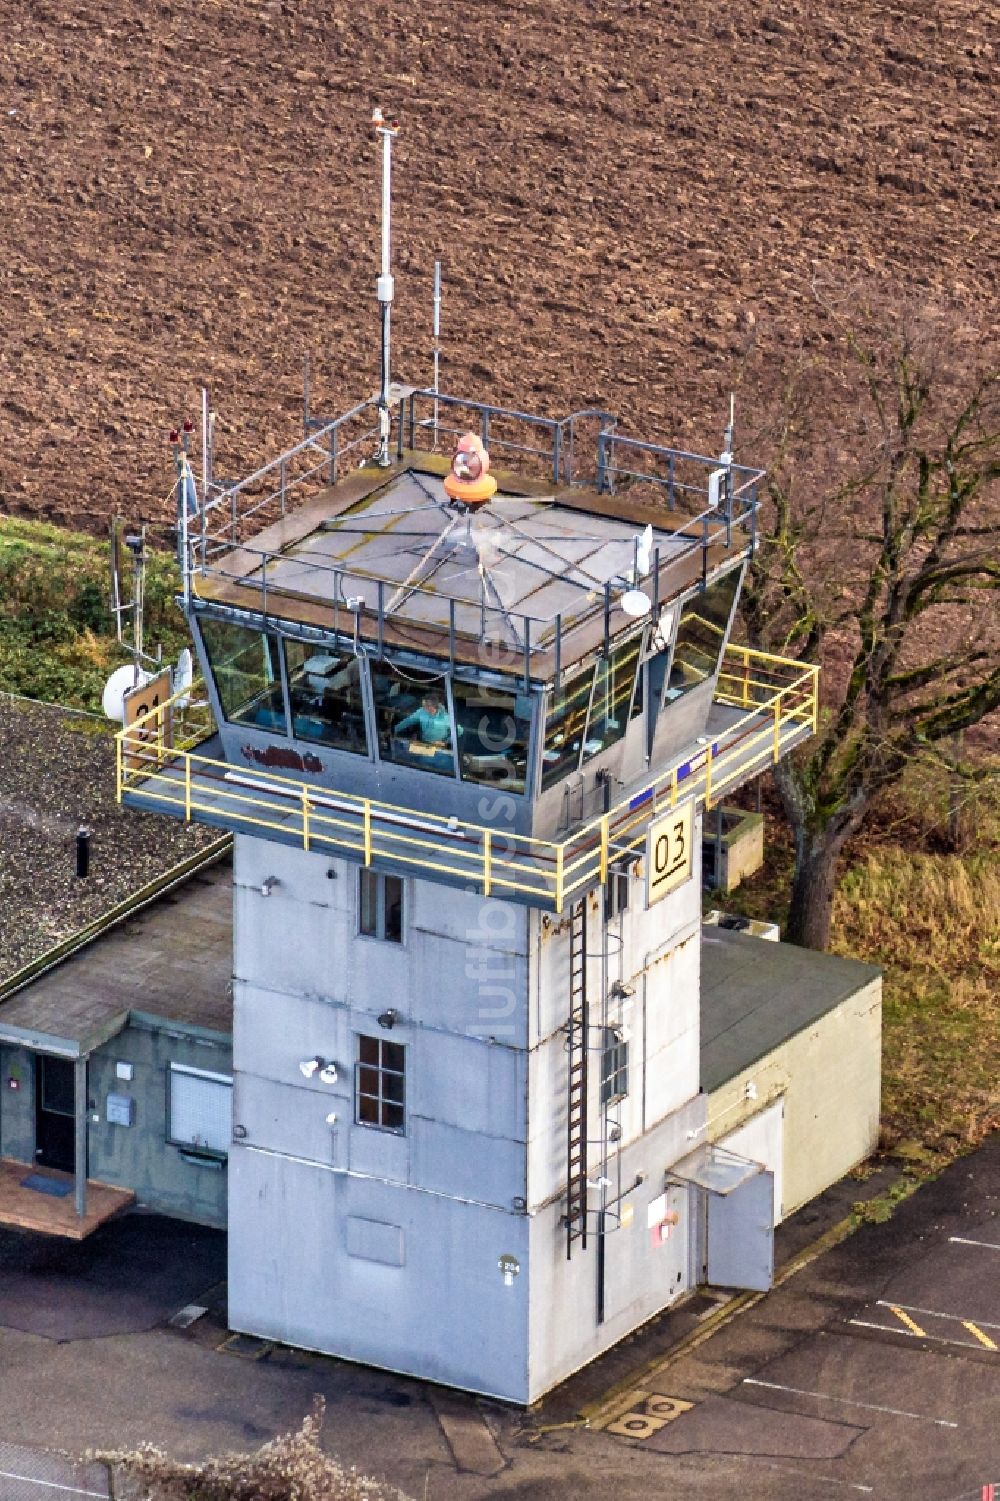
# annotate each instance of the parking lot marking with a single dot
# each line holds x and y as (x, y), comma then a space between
(52, 1485)
(983, 1339)
(961, 1240)
(937, 1339)
(905, 1317)
(896, 1412)
(933, 1313)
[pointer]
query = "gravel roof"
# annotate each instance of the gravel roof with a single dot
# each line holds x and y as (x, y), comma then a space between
(57, 774)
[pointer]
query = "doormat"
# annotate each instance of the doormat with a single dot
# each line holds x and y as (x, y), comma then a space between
(57, 1187)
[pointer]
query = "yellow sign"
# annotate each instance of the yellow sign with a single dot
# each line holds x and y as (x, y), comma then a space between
(669, 852)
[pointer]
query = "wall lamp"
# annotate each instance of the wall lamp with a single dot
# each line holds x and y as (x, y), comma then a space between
(388, 1019)
(309, 1067)
(268, 884)
(621, 990)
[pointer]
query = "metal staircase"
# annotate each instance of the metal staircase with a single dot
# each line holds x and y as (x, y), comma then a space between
(577, 1031)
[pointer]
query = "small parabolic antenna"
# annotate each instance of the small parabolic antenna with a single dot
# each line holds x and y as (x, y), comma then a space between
(183, 676)
(636, 603)
(121, 681)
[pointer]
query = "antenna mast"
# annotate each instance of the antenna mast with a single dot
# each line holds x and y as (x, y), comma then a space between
(384, 286)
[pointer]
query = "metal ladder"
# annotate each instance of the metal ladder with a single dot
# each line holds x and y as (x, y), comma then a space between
(575, 1217)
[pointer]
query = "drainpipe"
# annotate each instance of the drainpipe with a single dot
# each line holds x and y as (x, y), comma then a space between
(80, 1108)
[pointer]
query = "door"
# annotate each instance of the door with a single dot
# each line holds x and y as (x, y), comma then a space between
(741, 1235)
(55, 1113)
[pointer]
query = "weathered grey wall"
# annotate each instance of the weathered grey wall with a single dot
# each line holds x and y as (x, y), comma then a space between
(830, 1076)
(139, 1156)
(17, 1106)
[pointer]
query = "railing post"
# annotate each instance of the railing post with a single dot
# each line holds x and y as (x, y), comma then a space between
(708, 777)
(600, 463)
(604, 850)
(305, 818)
(777, 730)
(118, 768)
(187, 788)
(399, 435)
(673, 788)
(670, 482)
(556, 452)
(281, 474)
(333, 455)
(559, 877)
(367, 817)
(815, 696)
(487, 849)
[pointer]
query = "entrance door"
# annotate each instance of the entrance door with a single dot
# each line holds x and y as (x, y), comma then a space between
(55, 1113)
(741, 1235)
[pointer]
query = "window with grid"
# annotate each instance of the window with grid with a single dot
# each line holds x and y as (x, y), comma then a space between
(614, 1066)
(201, 1109)
(381, 1083)
(381, 906)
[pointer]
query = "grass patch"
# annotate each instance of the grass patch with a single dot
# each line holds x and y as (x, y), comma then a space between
(57, 634)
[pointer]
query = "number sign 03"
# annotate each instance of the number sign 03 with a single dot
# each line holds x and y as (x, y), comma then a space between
(669, 847)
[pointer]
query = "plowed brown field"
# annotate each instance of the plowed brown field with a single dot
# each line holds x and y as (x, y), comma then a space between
(619, 194)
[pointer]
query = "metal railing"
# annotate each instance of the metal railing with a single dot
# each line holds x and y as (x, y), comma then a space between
(778, 697)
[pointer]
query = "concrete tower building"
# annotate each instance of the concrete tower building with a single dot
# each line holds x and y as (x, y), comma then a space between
(465, 744)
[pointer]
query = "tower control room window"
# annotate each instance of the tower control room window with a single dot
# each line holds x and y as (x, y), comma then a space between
(615, 693)
(324, 691)
(494, 735)
(414, 718)
(380, 1084)
(700, 635)
(565, 723)
(380, 901)
(247, 673)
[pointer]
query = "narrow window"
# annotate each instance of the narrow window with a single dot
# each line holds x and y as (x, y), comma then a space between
(616, 892)
(325, 694)
(700, 635)
(247, 674)
(614, 693)
(494, 732)
(200, 1110)
(381, 906)
(380, 1084)
(565, 722)
(414, 719)
(614, 1066)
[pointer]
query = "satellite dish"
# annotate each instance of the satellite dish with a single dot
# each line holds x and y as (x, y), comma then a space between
(121, 682)
(636, 603)
(182, 677)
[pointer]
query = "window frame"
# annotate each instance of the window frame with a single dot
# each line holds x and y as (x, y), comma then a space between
(614, 1067)
(213, 1154)
(382, 1102)
(381, 877)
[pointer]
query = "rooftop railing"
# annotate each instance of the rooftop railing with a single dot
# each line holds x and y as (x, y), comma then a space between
(158, 765)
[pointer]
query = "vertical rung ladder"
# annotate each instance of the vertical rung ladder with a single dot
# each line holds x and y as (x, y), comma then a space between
(576, 1102)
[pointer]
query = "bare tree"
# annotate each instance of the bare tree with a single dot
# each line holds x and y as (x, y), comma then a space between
(879, 557)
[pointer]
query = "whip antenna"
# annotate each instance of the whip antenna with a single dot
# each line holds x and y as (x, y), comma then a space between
(384, 286)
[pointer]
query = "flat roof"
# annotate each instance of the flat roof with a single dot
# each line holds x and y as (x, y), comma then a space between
(530, 564)
(57, 774)
(756, 994)
(172, 960)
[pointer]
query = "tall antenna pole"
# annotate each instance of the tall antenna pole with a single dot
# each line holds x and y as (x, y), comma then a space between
(384, 286)
(437, 343)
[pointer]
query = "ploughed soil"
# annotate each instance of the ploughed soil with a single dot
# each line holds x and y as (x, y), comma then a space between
(625, 194)
(58, 772)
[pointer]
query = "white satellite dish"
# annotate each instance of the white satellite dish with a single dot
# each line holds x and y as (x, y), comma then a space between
(636, 603)
(182, 677)
(121, 682)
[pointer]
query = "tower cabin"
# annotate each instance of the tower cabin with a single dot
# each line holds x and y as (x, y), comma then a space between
(465, 749)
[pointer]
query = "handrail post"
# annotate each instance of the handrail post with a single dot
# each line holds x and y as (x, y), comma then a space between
(187, 788)
(487, 849)
(708, 777)
(815, 698)
(559, 877)
(673, 788)
(604, 850)
(367, 821)
(305, 818)
(556, 452)
(777, 729)
(119, 779)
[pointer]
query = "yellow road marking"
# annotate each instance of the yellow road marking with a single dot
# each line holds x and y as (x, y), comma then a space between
(983, 1339)
(911, 1324)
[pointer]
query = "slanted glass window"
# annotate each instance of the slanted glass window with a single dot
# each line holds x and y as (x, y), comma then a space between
(380, 1084)
(494, 732)
(614, 694)
(700, 635)
(247, 674)
(324, 691)
(614, 1066)
(201, 1109)
(381, 906)
(565, 723)
(414, 719)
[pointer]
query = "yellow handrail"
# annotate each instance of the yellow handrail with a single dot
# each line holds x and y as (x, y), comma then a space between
(548, 871)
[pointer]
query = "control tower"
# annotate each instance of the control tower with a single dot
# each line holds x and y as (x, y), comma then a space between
(468, 688)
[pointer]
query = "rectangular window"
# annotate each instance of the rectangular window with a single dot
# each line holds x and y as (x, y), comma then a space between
(325, 694)
(380, 1087)
(701, 632)
(247, 673)
(616, 892)
(614, 1066)
(565, 722)
(381, 906)
(200, 1109)
(494, 732)
(614, 692)
(414, 719)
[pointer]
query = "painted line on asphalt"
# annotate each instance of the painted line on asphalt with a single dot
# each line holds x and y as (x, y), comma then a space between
(931, 1313)
(937, 1339)
(769, 1464)
(52, 1485)
(905, 1318)
(983, 1339)
(896, 1412)
(961, 1240)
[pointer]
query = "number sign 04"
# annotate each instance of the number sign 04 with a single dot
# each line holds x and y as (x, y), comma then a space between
(669, 847)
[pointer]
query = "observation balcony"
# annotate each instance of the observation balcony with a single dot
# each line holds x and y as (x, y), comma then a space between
(170, 761)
